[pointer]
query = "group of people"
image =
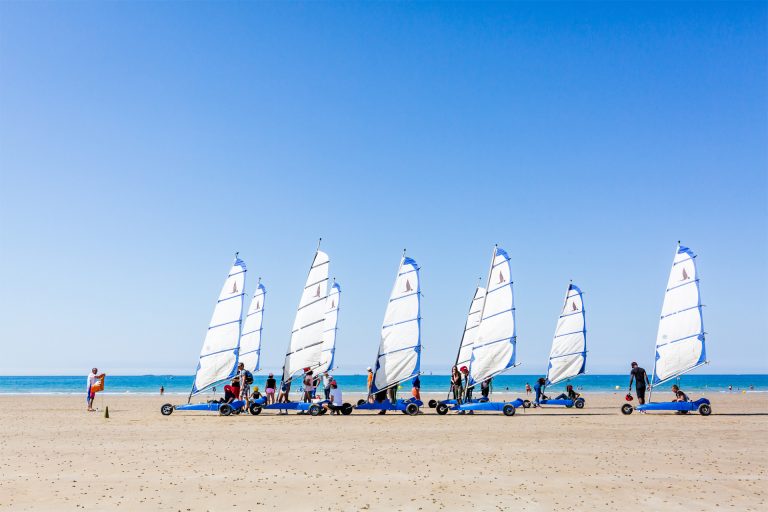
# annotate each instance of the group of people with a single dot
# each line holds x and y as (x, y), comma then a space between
(541, 384)
(390, 393)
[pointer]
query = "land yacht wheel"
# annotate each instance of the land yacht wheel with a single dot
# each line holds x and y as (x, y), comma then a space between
(360, 402)
(527, 404)
(432, 403)
(225, 410)
(346, 409)
(579, 403)
(705, 409)
(166, 409)
(255, 409)
(442, 409)
(411, 409)
(627, 409)
(314, 410)
(508, 410)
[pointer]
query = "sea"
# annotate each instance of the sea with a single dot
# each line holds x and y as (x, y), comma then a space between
(182, 384)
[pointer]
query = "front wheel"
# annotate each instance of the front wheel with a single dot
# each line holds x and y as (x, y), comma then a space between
(411, 409)
(360, 402)
(225, 410)
(527, 404)
(346, 409)
(166, 409)
(627, 409)
(508, 410)
(705, 409)
(442, 409)
(579, 403)
(432, 403)
(314, 410)
(255, 409)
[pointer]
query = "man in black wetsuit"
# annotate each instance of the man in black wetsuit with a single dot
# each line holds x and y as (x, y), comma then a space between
(641, 379)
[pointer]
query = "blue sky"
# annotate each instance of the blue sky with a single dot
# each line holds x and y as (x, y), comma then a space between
(142, 144)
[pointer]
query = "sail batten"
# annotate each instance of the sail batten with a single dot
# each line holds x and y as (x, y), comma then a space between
(680, 341)
(304, 347)
(219, 354)
(494, 349)
(398, 358)
(568, 355)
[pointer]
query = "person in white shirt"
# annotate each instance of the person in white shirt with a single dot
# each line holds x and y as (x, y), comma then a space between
(91, 380)
(327, 385)
(336, 400)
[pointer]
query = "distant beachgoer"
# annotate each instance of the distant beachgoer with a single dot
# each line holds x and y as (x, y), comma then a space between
(485, 388)
(327, 385)
(680, 395)
(91, 380)
(162, 389)
(527, 389)
(456, 384)
(569, 394)
(271, 386)
(641, 379)
(416, 391)
(751, 387)
(730, 388)
(232, 390)
(541, 383)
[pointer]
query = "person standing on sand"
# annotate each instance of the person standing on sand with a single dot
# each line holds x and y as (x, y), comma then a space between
(416, 391)
(91, 380)
(327, 385)
(162, 389)
(456, 384)
(641, 379)
(541, 383)
(370, 383)
(466, 391)
(270, 388)
(527, 389)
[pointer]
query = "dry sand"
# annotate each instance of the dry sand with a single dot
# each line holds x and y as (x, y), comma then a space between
(56, 456)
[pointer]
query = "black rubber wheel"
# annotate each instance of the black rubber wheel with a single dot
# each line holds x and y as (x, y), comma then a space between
(579, 403)
(442, 409)
(527, 404)
(432, 403)
(411, 409)
(314, 410)
(360, 402)
(166, 409)
(346, 409)
(508, 410)
(225, 409)
(627, 409)
(705, 409)
(255, 409)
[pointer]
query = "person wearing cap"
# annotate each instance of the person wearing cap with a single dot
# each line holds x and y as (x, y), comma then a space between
(466, 390)
(309, 381)
(270, 387)
(640, 377)
(336, 403)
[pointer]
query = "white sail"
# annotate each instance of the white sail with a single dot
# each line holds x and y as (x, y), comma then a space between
(400, 346)
(680, 340)
(494, 349)
(470, 328)
(250, 339)
(568, 356)
(307, 333)
(330, 326)
(218, 357)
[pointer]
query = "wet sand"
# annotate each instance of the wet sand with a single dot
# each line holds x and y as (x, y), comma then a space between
(56, 456)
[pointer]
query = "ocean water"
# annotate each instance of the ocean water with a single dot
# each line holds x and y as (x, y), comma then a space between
(181, 384)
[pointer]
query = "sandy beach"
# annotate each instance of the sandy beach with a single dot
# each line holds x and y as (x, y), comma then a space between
(56, 456)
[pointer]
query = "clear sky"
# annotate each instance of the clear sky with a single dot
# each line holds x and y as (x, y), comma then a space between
(142, 144)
